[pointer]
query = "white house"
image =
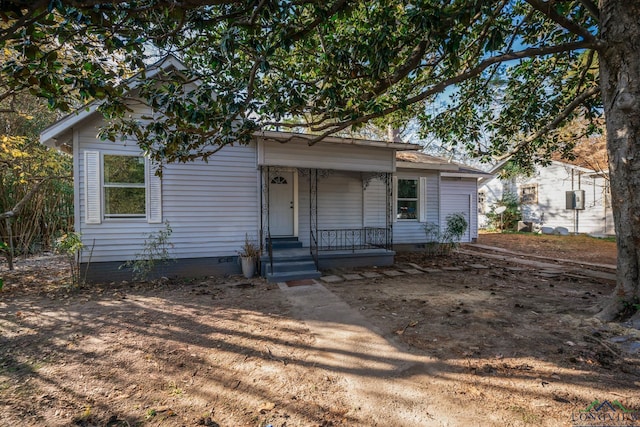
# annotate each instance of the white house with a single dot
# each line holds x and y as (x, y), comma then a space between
(557, 195)
(308, 207)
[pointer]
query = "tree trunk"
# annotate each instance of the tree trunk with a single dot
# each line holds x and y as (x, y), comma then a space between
(620, 85)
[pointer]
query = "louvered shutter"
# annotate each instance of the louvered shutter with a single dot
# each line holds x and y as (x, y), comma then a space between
(154, 194)
(422, 199)
(92, 187)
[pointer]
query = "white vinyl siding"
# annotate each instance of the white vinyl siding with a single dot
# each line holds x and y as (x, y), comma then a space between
(340, 203)
(375, 204)
(209, 206)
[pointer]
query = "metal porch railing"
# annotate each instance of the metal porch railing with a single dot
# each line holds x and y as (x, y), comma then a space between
(353, 239)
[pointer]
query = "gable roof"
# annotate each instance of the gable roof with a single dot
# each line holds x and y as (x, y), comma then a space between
(59, 133)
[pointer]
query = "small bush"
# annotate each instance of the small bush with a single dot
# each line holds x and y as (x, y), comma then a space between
(70, 245)
(443, 242)
(155, 251)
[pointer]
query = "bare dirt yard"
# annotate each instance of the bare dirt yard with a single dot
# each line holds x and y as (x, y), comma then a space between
(499, 343)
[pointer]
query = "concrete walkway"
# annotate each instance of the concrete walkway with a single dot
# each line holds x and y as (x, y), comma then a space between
(386, 384)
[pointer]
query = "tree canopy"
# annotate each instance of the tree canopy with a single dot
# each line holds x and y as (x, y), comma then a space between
(498, 78)
(517, 69)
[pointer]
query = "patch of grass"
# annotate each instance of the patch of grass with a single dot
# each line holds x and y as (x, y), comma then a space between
(174, 390)
(528, 417)
(150, 414)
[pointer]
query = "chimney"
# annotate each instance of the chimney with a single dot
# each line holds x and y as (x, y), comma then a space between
(393, 134)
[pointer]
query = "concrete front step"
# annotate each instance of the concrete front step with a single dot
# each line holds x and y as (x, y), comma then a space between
(290, 261)
(279, 243)
(291, 254)
(286, 266)
(292, 275)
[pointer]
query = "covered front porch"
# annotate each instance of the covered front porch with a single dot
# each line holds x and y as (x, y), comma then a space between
(330, 217)
(337, 214)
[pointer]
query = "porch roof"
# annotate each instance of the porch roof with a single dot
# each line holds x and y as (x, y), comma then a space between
(412, 160)
(284, 137)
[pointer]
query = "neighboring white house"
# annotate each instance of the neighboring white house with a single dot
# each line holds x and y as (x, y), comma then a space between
(547, 196)
(337, 198)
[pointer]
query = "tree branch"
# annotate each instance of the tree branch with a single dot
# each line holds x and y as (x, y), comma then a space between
(18, 207)
(546, 8)
(589, 93)
(441, 86)
(592, 8)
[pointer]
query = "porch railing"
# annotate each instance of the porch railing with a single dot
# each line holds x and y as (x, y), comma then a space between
(353, 239)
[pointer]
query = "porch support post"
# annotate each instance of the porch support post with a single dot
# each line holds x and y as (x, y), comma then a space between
(313, 214)
(388, 180)
(267, 180)
(261, 180)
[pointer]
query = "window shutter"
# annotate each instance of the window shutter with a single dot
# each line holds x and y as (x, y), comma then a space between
(422, 199)
(92, 188)
(395, 199)
(154, 194)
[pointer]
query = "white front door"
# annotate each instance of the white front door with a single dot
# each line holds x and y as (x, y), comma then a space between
(281, 209)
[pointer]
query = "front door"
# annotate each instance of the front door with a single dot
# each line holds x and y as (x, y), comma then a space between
(281, 209)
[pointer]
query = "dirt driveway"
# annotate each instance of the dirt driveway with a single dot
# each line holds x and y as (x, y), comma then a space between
(464, 340)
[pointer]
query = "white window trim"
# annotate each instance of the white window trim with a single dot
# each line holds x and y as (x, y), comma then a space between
(109, 217)
(421, 199)
(94, 191)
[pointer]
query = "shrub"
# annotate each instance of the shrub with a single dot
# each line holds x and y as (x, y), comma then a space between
(443, 242)
(508, 220)
(155, 251)
(70, 245)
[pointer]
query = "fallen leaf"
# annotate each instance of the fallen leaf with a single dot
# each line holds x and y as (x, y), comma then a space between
(266, 407)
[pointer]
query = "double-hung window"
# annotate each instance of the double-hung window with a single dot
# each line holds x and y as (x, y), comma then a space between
(529, 194)
(407, 204)
(124, 187)
(119, 186)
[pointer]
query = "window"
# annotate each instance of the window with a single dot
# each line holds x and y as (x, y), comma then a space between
(529, 194)
(278, 180)
(124, 187)
(482, 201)
(119, 186)
(407, 204)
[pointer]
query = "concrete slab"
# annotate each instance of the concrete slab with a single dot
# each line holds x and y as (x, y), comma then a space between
(370, 275)
(478, 266)
(352, 276)
(432, 270)
(392, 273)
(331, 279)
(411, 271)
(452, 268)
(303, 282)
